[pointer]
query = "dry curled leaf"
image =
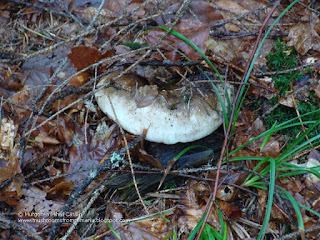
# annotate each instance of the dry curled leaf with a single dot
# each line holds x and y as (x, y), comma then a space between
(305, 36)
(45, 139)
(63, 188)
(145, 157)
(287, 100)
(11, 83)
(84, 56)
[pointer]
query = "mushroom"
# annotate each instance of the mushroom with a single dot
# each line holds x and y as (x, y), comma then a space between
(165, 114)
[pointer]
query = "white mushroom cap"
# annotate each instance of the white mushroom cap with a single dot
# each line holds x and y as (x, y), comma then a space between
(185, 123)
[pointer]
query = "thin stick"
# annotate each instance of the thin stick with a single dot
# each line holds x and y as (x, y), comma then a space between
(94, 197)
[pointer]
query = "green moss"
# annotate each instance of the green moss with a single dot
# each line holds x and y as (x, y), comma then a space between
(308, 106)
(210, 233)
(283, 58)
(308, 70)
(274, 100)
(282, 114)
(256, 104)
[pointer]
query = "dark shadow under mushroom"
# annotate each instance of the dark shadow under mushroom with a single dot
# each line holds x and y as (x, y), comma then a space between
(195, 157)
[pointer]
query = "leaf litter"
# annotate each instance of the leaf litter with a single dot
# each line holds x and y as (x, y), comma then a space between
(53, 135)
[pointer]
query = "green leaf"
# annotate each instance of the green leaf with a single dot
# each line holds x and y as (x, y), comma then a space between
(296, 208)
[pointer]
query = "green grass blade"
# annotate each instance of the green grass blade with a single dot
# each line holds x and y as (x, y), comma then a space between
(168, 236)
(298, 170)
(189, 148)
(244, 158)
(251, 179)
(266, 139)
(279, 127)
(175, 237)
(113, 231)
(224, 111)
(259, 48)
(172, 234)
(301, 205)
(296, 208)
(197, 228)
(223, 228)
(305, 145)
(309, 209)
(260, 185)
(225, 232)
(208, 231)
(270, 199)
(290, 149)
(237, 111)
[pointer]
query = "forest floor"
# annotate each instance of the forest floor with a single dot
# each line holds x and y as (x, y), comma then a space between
(69, 171)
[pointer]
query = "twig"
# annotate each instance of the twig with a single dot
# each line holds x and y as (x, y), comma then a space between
(69, 14)
(36, 6)
(77, 37)
(34, 32)
(60, 67)
(296, 234)
(134, 24)
(165, 63)
(309, 8)
(132, 171)
(77, 191)
(94, 197)
(288, 70)
(229, 36)
(129, 157)
(251, 76)
(220, 24)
